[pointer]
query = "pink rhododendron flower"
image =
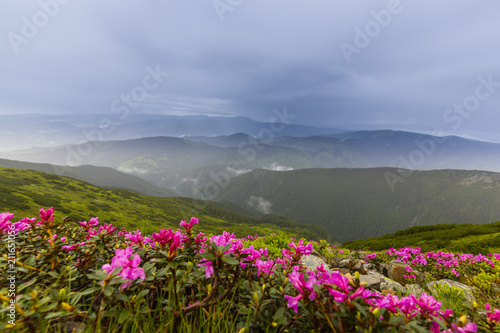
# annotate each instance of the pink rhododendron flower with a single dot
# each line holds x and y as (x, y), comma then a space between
(189, 225)
(47, 215)
(293, 302)
(200, 238)
(130, 267)
(72, 247)
(108, 228)
(300, 248)
(470, 327)
(5, 222)
(428, 305)
(493, 314)
(92, 223)
(209, 268)
(338, 295)
(163, 237)
(135, 238)
(264, 266)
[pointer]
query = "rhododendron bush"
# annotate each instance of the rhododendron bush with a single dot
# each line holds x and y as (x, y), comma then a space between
(96, 277)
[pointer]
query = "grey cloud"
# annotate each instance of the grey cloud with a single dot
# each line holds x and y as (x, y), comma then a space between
(264, 55)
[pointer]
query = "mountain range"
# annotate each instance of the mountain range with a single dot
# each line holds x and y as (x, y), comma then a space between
(360, 203)
(29, 130)
(191, 163)
(355, 184)
(25, 191)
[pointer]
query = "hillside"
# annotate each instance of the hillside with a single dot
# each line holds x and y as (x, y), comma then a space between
(169, 162)
(189, 163)
(25, 191)
(360, 203)
(99, 176)
(466, 238)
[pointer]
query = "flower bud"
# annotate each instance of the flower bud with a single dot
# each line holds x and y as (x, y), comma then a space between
(263, 287)
(39, 256)
(66, 306)
(273, 324)
(255, 297)
(282, 291)
(463, 320)
(62, 293)
(376, 312)
(133, 298)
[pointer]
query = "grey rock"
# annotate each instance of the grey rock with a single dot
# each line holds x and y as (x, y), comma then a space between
(359, 266)
(414, 289)
(369, 266)
(372, 281)
(312, 262)
(346, 263)
(396, 271)
(467, 290)
(384, 268)
(389, 284)
(345, 271)
(376, 275)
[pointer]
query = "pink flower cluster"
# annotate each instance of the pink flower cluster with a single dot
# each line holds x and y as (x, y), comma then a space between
(447, 262)
(337, 285)
(493, 314)
(129, 263)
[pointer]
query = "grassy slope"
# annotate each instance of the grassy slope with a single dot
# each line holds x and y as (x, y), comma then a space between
(100, 176)
(24, 192)
(467, 238)
(359, 203)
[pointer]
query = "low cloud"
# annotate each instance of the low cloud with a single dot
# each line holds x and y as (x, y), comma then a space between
(237, 172)
(134, 171)
(260, 204)
(276, 167)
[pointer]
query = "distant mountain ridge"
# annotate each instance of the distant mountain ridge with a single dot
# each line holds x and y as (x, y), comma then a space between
(360, 203)
(30, 130)
(99, 176)
(189, 164)
(25, 191)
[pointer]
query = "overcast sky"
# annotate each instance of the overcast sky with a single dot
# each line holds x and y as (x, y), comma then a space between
(341, 64)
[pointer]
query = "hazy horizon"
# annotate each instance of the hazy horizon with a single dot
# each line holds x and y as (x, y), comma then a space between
(419, 66)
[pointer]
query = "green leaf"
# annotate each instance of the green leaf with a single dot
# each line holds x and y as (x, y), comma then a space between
(223, 249)
(161, 272)
(214, 247)
(279, 314)
(360, 309)
(108, 291)
(89, 291)
(142, 293)
(123, 316)
(26, 285)
(147, 266)
(208, 255)
(228, 259)
(56, 314)
(122, 297)
(98, 275)
(54, 274)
